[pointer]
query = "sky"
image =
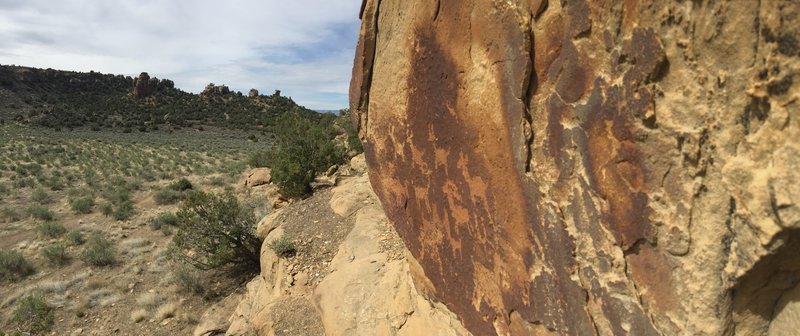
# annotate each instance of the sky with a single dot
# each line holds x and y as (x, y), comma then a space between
(304, 48)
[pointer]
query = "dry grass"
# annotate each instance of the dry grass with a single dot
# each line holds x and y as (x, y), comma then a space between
(135, 247)
(149, 300)
(166, 311)
(134, 243)
(46, 287)
(103, 297)
(139, 315)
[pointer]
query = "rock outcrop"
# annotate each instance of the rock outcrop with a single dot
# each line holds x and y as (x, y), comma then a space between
(350, 275)
(141, 86)
(257, 177)
(253, 93)
(144, 86)
(215, 90)
(590, 167)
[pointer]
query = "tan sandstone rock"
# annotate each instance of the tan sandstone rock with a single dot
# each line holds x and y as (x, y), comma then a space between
(215, 320)
(358, 164)
(371, 295)
(257, 177)
(366, 290)
(589, 167)
(267, 224)
(253, 315)
(352, 196)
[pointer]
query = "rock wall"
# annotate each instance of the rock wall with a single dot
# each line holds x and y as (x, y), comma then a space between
(590, 167)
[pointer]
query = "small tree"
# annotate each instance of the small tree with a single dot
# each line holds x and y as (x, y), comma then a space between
(304, 147)
(215, 231)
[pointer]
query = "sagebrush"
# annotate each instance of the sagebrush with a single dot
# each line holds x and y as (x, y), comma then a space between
(98, 251)
(214, 231)
(33, 315)
(14, 266)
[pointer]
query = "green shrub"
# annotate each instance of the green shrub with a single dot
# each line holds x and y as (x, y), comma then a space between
(40, 196)
(107, 209)
(54, 184)
(352, 135)
(51, 229)
(165, 218)
(9, 214)
(23, 183)
(123, 211)
(283, 247)
(355, 142)
(77, 192)
(260, 159)
(82, 205)
(167, 230)
(14, 266)
(98, 251)
(119, 196)
(40, 212)
(56, 254)
(167, 196)
(180, 185)
(33, 315)
(304, 148)
(217, 181)
(216, 231)
(75, 238)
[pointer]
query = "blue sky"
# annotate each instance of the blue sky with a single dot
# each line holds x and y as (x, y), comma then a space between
(302, 47)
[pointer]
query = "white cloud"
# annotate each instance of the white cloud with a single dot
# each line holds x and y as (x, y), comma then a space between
(301, 47)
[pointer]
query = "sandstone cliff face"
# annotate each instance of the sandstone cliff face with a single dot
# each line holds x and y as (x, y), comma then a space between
(590, 167)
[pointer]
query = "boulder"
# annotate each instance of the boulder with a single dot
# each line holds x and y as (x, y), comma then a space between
(253, 93)
(351, 196)
(257, 177)
(358, 164)
(268, 224)
(215, 320)
(589, 167)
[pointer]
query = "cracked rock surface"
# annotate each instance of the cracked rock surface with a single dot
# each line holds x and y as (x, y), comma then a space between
(590, 167)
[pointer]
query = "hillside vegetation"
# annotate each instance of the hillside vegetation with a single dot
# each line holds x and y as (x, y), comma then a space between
(65, 99)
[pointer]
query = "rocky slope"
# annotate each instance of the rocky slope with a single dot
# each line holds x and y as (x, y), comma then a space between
(349, 276)
(590, 167)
